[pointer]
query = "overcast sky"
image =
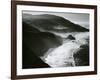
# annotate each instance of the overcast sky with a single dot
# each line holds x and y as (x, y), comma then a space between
(78, 18)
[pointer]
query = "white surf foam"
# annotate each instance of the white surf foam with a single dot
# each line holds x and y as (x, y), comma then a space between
(62, 56)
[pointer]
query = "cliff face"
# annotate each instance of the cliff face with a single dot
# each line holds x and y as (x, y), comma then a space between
(30, 60)
(39, 42)
(47, 22)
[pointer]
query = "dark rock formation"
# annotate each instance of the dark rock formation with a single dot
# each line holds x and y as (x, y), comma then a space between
(70, 37)
(30, 60)
(81, 57)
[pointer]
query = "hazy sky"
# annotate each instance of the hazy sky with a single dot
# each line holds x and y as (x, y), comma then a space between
(78, 18)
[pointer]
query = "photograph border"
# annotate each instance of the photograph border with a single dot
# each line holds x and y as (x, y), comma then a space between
(14, 39)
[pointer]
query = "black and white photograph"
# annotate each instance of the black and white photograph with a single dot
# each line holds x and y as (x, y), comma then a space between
(53, 39)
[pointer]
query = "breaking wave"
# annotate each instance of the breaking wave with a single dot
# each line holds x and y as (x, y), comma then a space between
(62, 56)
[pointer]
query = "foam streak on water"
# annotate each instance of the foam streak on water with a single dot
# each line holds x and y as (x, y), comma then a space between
(62, 56)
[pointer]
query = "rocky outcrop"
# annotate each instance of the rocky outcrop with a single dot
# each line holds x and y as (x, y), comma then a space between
(70, 37)
(81, 57)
